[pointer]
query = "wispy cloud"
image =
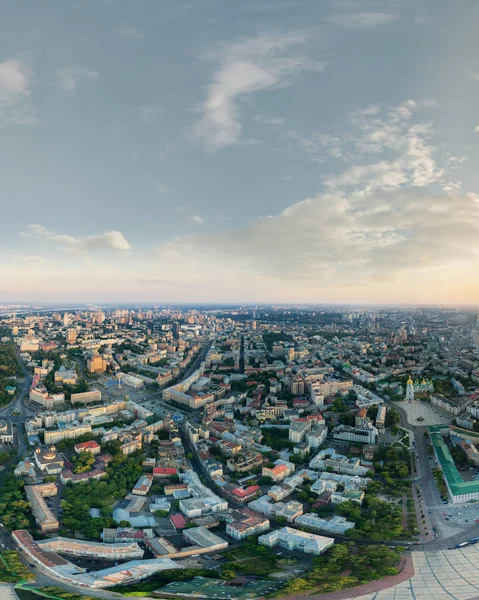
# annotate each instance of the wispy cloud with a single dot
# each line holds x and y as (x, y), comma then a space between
(110, 240)
(28, 259)
(358, 20)
(15, 91)
(197, 219)
(264, 62)
(36, 230)
(68, 79)
(410, 153)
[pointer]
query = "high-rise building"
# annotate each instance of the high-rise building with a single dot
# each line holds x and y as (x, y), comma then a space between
(71, 336)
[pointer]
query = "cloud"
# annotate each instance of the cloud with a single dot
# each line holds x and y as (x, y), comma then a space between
(36, 230)
(110, 240)
(264, 62)
(15, 91)
(403, 150)
(29, 259)
(331, 239)
(70, 78)
(375, 222)
(357, 20)
(197, 219)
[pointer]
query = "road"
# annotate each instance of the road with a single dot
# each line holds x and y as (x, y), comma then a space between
(241, 358)
(18, 420)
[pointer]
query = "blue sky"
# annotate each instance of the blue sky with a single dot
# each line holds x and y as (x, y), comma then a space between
(319, 151)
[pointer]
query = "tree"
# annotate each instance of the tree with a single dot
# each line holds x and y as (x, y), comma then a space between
(124, 523)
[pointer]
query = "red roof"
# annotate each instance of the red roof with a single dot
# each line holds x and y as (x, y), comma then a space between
(90, 444)
(242, 492)
(178, 521)
(164, 471)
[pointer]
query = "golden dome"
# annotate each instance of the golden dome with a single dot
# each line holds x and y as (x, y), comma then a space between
(410, 381)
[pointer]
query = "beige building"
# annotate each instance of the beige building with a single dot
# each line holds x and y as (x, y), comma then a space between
(96, 550)
(297, 385)
(70, 432)
(86, 397)
(39, 395)
(71, 336)
(36, 495)
(96, 364)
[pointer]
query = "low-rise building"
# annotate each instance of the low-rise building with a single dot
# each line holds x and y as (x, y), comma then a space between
(43, 515)
(242, 523)
(336, 524)
(143, 485)
(6, 432)
(204, 538)
(454, 406)
(364, 433)
(90, 397)
(281, 470)
(48, 460)
(93, 550)
(91, 446)
(300, 541)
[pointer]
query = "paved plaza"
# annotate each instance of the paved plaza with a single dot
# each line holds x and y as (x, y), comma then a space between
(439, 575)
(6, 592)
(418, 409)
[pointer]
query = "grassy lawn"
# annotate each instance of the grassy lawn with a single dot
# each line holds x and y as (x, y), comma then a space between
(251, 560)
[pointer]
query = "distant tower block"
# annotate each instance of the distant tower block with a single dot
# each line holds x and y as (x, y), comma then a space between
(410, 389)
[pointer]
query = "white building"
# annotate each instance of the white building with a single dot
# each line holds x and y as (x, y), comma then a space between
(336, 524)
(292, 539)
(365, 433)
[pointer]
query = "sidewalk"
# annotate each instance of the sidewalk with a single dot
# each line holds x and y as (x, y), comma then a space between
(426, 533)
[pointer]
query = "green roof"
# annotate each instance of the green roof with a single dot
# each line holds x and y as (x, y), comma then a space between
(454, 480)
(438, 428)
(467, 433)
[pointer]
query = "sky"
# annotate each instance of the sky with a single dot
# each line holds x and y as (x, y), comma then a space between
(319, 151)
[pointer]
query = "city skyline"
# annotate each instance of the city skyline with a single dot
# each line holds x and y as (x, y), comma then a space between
(267, 152)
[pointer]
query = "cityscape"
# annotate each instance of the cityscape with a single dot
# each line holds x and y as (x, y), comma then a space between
(239, 300)
(239, 452)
